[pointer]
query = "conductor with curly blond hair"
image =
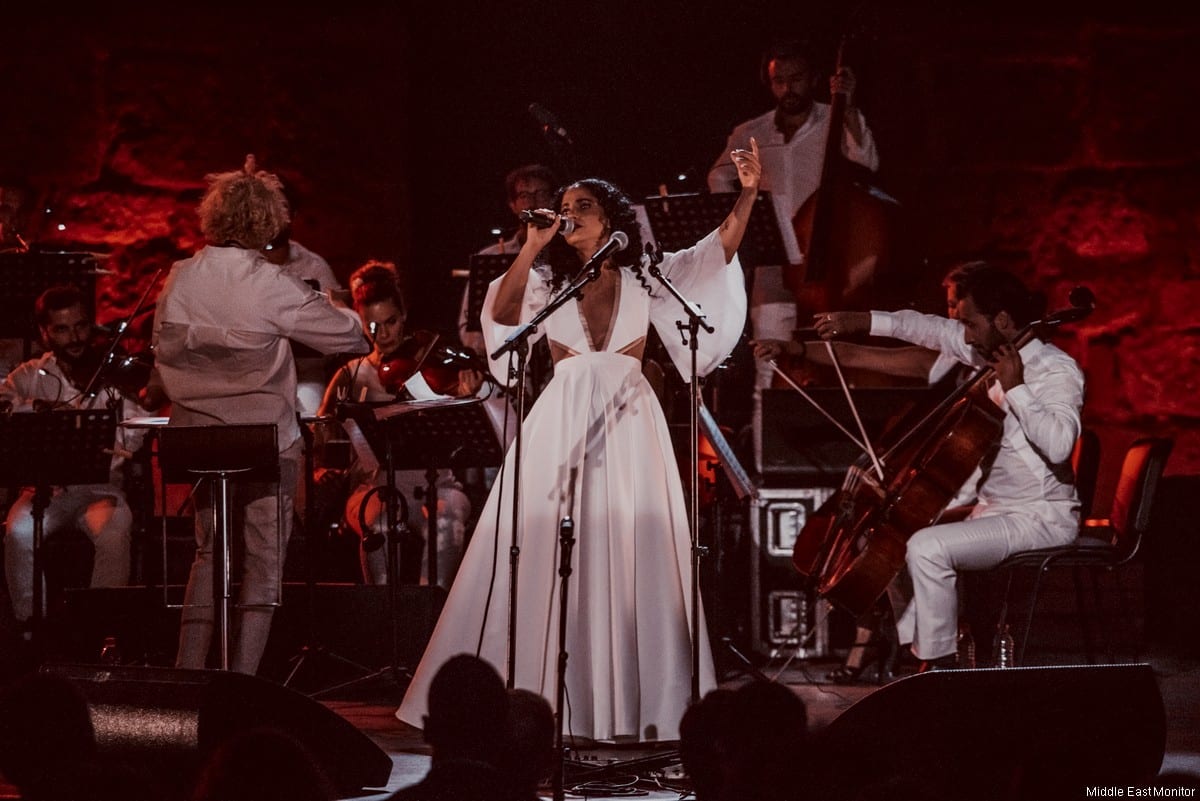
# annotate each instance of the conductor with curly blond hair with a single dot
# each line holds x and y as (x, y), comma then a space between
(221, 333)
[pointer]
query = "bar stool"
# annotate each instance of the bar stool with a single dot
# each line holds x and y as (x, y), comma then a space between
(220, 453)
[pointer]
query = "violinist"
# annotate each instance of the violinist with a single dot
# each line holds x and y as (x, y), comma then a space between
(399, 367)
(792, 137)
(1026, 497)
(57, 380)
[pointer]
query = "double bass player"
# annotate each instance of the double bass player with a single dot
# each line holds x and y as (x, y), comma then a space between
(792, 137)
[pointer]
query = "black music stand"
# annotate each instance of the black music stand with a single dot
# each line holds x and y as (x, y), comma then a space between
(52, 449)
(24, 276)
(484, 270)
(247, 452)
(412, 435)
(680, 221)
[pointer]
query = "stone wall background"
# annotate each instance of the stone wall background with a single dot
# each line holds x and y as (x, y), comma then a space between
(1060, 142)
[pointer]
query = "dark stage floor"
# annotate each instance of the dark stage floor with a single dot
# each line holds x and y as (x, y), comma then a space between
(369, 705)
(1178, 681)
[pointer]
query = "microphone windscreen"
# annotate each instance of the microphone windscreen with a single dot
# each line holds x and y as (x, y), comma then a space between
(621, 238)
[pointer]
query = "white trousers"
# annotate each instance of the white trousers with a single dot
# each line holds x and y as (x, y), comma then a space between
(927, 613)
(265, 538)
(98, 510)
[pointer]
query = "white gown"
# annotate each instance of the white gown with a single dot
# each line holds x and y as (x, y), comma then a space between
(597, 432)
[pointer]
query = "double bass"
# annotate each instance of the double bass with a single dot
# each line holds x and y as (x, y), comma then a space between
(842, 228)
(855, 544)
(844, 233)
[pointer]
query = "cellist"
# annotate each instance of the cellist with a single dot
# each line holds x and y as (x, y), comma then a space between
(874, 638)
(1026, 497)
(791, 138)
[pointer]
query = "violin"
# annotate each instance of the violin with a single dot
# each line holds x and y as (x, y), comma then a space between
(423, 352)
(106, 364)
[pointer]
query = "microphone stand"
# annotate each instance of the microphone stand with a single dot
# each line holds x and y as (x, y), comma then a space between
(694, 324)
(518, 342)
(566, 539)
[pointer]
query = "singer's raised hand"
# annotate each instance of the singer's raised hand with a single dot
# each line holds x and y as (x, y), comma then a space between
(748, 164)
(749, 172)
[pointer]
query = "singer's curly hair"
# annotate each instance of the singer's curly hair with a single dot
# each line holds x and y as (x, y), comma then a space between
(564, 260)
(377, 281)
(245, 208)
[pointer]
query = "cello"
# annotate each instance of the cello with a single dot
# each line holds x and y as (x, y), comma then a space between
(855, 544)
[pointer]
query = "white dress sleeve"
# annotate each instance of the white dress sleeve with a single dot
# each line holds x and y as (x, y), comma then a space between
(701, 275)
(537, 295)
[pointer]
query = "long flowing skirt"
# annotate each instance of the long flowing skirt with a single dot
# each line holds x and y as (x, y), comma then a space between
(596, 446)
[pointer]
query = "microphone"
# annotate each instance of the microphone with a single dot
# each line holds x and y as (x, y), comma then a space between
(549, 122)
(542, 221)
(618, 241)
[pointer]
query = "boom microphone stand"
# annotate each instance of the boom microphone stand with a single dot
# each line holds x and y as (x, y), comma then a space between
(693, 325)
(518, 342)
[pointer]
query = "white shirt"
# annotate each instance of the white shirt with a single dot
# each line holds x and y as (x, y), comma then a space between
(1031, 471)
(221, 334)
(791, 170)
(302, 263)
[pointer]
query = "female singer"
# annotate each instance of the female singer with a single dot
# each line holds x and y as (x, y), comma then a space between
(596, 447)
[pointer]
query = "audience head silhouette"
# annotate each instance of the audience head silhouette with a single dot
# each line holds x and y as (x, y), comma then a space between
(468, 710)
(747, 744)
(528, 755)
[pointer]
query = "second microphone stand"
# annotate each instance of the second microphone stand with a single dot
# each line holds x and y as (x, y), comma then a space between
(692, 328)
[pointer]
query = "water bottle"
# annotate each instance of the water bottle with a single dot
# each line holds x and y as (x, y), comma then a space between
(966, 647)
(110, 653)
(1004, 648)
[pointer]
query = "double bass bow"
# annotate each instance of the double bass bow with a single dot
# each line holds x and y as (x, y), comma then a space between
(855, 544)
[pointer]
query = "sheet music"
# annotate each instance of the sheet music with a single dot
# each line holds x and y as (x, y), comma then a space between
(405, 407)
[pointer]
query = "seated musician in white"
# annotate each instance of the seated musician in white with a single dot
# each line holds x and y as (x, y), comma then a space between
(57, 380)
(1026, 497)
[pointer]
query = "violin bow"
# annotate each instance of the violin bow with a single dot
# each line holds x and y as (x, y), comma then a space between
(121, 329)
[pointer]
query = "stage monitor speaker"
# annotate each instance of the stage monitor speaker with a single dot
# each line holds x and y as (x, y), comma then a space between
(167, 721)
(1019, 733)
